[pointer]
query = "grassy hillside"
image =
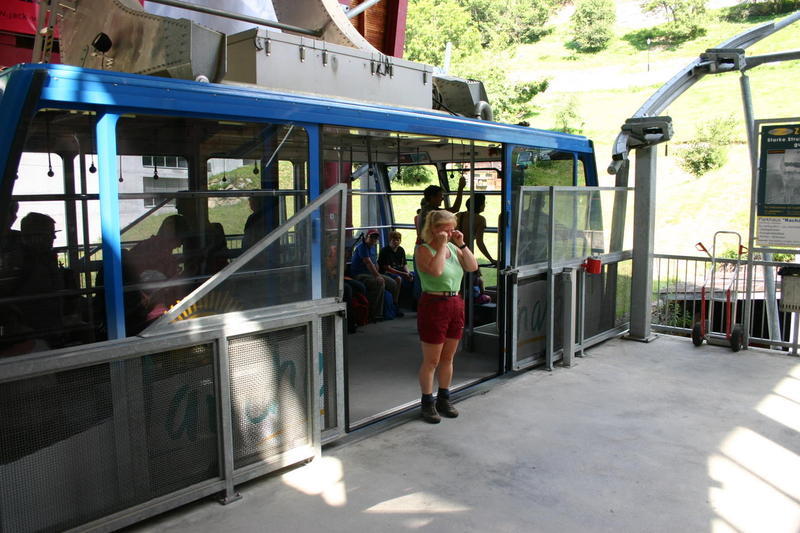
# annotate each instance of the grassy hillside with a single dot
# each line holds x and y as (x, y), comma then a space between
(610, 86)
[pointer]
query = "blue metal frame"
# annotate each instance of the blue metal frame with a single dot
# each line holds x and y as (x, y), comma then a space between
(112, 94)
(74, 86)
(314, 190)
(14, 93)
(110, 225)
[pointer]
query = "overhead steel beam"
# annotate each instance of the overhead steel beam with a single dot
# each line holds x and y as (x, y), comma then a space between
(687, 77)
(237, 16)
(754, 61)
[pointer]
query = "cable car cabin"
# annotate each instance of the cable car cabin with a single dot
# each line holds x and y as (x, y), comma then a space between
(175, 253)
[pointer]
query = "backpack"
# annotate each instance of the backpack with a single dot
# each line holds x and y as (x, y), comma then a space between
(389, 311)
(360, 306)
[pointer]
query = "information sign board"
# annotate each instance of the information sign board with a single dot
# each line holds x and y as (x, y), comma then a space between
(778, 200)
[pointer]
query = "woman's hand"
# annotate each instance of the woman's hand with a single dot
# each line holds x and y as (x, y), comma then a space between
(440, 240)
(458, 238)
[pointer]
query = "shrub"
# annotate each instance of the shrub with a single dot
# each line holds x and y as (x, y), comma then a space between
(754, 9)
(416, 175)
(567, 118)
(702, 157)
(592, 24)
(685, 17)
(673, 314)
(709, 149)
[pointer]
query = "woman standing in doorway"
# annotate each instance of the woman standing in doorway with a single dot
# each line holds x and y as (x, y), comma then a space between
(441, 261)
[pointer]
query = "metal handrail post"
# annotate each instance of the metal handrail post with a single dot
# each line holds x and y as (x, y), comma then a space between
(643, 236)
(551, 283)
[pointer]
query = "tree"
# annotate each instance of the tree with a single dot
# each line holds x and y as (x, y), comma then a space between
(484, 34)
(509, 22)
(592, 24)
(431, 24)
(678, 11)
(511, 102)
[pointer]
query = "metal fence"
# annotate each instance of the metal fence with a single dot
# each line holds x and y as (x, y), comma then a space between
(100, 437)
(678, 283)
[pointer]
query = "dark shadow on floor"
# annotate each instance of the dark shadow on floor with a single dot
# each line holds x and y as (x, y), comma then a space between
(383, 360)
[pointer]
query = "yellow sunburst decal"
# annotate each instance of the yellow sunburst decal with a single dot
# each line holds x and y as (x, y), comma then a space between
(216, 303)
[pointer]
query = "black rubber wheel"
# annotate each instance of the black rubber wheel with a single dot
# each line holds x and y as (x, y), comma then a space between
(697, 334)
(737, 338)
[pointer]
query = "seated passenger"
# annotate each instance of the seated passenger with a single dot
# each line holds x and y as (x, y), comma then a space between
(350, 290)
(205, 247)
(36, 273)
(153, 261)
(10, 238)
(10, 249)
(392, 262)
(258, 224)
(156, 252)
(364, 268)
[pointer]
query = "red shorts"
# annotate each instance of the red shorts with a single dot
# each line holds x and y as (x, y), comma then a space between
(440, 318)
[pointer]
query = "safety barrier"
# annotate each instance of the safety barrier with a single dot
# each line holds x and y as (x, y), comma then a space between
(103, 436)
(677, 294)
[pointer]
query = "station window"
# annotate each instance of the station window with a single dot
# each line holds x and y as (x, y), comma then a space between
(164, 161)
(164, 184)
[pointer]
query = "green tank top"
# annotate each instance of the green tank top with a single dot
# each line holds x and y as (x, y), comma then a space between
(450, 280)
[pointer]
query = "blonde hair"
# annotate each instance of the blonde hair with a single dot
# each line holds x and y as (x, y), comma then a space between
(434, 218)
(394, 234)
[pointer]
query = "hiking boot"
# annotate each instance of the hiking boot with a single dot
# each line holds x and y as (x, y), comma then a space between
(429, 413)
(445, 408)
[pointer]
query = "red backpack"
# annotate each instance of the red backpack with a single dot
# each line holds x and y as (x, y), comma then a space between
(360, 306)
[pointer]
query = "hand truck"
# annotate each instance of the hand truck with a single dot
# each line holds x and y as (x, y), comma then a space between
(732, 334)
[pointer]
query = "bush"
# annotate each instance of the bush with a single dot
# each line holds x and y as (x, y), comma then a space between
(416, 175)
(674, 314)
(667, 35)
(753, 9)
(568, 118)
(709, 149)
(592, 24)
(702, 157)
(681, 11)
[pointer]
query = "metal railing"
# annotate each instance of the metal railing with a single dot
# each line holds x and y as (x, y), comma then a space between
(678, 283)
(168, 419)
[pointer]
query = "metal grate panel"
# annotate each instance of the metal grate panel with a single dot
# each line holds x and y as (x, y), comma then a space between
(81, 444)
(328, 369)
(180, 407)
(269, 394)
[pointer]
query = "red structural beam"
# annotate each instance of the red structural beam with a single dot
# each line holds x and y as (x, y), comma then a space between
(383, 25)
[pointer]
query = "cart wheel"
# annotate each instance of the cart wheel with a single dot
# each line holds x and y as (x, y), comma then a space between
(737, 338)
(697, 334)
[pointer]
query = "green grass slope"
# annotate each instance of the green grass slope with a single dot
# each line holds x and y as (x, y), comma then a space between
(610, 86)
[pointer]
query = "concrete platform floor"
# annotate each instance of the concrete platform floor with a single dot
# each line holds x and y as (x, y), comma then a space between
(634, 437)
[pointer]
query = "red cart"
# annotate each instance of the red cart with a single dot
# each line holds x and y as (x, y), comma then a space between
(732, 334)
